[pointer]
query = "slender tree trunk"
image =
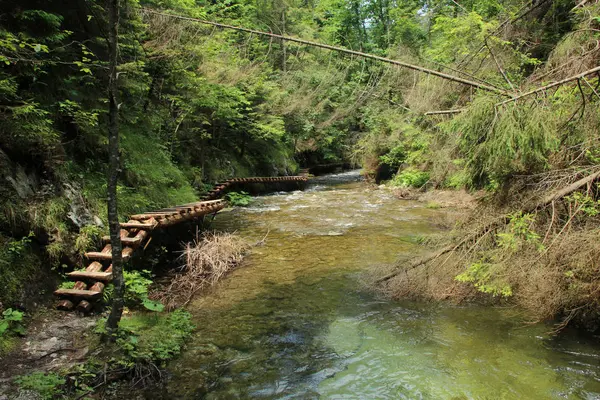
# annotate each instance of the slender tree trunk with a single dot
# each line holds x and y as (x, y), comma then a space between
(112, 322)
(283, 45)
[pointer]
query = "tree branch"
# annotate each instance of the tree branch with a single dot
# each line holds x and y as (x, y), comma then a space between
(551, 85)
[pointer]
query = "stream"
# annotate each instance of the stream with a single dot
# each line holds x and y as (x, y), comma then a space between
(296, 322)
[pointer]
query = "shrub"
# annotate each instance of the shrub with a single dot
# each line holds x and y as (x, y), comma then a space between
(411, 177)
(240, 199)
(11, 322)
(136, 291)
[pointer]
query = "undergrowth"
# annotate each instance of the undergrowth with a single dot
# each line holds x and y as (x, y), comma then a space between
(145, 343)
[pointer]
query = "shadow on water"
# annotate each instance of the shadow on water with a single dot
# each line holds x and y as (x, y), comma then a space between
(295, 323)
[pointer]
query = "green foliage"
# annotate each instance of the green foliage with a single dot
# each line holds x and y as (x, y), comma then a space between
(10, 323)
(87, 237)
(457, 180)
(19, 264)
(520, 233)
(482, 275)
(152, 337)
(137, 285)
(67, 285)
(410, 177)
(496, 146)
(239, 199)
(47, 385)
(395, 157)
(457, 37)
(586, 203)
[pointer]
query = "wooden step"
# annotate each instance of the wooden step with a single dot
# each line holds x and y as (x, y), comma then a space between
(97, 276)
(138, 225)
(101, 256)
(84, 306)
(129, 241)
(84, 294)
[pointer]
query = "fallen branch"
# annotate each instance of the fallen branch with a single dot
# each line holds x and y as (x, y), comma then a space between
(495, 223)
(569, 189)
(335, 48)
(416, 263)
(499, 66)
(445, 112)
(551, 85)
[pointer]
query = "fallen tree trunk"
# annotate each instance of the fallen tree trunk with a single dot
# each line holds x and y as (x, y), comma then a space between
(335, 48)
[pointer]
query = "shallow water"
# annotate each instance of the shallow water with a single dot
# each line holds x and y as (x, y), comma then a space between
(294, 322)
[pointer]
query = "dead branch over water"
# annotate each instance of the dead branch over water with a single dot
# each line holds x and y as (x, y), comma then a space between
(495, 223)
(206, 260)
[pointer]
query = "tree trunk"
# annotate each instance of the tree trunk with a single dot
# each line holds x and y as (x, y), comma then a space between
(283, 45)
(116, 311)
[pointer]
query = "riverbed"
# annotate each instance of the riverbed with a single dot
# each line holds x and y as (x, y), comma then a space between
(296, 321)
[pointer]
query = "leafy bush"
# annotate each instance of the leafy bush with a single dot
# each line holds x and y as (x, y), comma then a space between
(136, 291)
(482, 275)
(239, 199)
(11, 322)
(395, 157)
(411, 177)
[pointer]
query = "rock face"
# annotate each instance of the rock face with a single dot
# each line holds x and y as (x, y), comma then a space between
(58, 341)
(15, 177)
(79, 214)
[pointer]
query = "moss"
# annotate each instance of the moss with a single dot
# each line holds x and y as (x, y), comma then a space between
(19, 265)
(47, 385)
(7, 344)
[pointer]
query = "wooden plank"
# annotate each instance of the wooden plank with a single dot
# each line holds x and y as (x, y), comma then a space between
(97, 276)
(64, 305)
(138, 225)
(86, 294)
(97, 287)
(84, 306)
(129, 241)
(102, 256)
(94, 267)
(145, 216)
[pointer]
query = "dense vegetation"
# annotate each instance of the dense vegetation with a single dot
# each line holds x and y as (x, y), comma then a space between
(199, 104)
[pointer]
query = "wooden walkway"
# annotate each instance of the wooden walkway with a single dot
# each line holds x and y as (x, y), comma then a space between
(90, 283)
(220, 188)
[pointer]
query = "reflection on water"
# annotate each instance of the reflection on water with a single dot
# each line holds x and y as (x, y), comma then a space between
(294, 323)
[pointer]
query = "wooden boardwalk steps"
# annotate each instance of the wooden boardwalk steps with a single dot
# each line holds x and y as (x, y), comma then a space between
(220, 189)
(89, 283)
